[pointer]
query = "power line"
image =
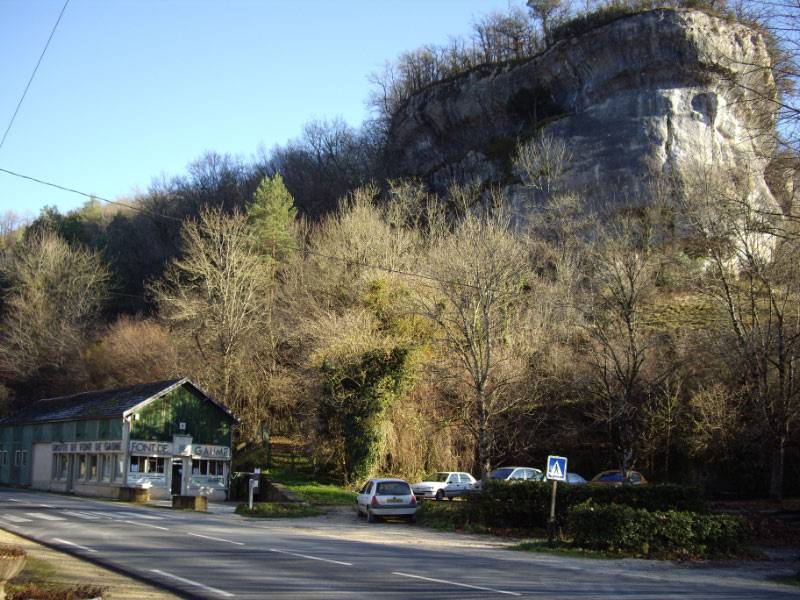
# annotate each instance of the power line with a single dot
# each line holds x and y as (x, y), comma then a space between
(297, 249)
(90, 196)
(33, 74)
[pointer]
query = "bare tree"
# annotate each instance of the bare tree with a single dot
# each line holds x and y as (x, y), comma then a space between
(623, 270)
(753, 276)
(549, 13)
(542, 163)
(134, 350)
(476, 299)
(53, 302)
(217, 295)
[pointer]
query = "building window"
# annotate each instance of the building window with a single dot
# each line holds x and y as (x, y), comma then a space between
(119, 466)
(3, 458)
(213, 468)
(60, 464)
(137, 464)
(155, 465)
(21, 458)
(108, 466)
(63, 466)
(147, 464)
(93, 472)
(82, 470)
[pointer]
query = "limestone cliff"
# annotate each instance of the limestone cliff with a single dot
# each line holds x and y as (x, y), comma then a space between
(654, 89)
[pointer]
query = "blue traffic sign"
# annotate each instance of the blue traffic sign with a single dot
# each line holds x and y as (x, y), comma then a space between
(556, 468)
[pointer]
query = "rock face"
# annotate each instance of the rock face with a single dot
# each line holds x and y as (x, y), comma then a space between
(654, 90)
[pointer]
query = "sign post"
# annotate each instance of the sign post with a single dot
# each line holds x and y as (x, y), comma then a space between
(253, 485)
(556, 471)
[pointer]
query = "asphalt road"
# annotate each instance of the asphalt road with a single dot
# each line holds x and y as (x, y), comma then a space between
(224, 556)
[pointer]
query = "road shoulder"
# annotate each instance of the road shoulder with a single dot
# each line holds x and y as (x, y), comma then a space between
(63, 569)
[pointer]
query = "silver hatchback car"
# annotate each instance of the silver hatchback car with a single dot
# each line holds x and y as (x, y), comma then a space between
(386, 498)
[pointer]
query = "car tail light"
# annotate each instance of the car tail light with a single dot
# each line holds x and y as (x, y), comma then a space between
(413, 500)
(374, 501)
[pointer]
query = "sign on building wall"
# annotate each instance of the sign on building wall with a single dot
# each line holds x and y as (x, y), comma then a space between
(150, 448)
(168, 449)
(77, 447)
(204, 451)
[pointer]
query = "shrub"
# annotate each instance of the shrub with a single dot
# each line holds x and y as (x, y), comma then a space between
(11, 551)
(526, 505)
(620, 528)
(440, 515)
(32, 591)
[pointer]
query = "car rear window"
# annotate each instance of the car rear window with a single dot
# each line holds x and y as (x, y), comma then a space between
(501, 473)
(393, 488)
(437, 477)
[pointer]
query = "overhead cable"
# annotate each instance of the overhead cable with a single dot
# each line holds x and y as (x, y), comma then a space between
(33, 74)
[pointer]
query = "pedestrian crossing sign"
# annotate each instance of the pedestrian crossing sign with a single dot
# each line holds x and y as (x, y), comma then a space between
(556, 468)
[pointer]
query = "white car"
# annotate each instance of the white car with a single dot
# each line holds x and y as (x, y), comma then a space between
(445, 484)
(386, 498)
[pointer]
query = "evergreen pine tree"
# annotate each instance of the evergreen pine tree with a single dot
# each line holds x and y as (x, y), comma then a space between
(271, 214)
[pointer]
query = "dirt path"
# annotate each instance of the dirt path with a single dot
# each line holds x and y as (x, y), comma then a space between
(47, 566)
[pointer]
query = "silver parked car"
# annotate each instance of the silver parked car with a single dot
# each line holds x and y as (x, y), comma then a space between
(386, 498)
(517, 474)
(444, 484)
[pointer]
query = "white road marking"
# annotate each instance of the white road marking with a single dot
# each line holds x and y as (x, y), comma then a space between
(81, 515)
(147, 525)
(68, 543)
(216, 539)
(13, 500)
(99, 514)
(194, 583)
(16, 519)
(46, 505)
(134, 515)
(465, 585)
(336, 562)
(45, 516)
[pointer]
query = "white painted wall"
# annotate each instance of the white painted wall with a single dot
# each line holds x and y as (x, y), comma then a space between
(41, 467)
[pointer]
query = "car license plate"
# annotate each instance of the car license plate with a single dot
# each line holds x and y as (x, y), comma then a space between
(394, 500)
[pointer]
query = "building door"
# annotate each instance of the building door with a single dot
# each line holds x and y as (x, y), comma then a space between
(177, 477)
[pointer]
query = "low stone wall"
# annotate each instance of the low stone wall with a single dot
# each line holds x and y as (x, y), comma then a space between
(269, 491)
(199, 503)
(138, 495)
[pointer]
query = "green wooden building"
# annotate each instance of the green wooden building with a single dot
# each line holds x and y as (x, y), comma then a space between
(167, 436)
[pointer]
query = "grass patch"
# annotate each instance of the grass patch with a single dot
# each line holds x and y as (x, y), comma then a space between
(276, 510)
(36, 570)
(290, 467)
(322, 494)
(559, 547)
(791, 580)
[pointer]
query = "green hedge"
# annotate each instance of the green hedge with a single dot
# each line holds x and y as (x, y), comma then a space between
(620, 528)
(526, 505)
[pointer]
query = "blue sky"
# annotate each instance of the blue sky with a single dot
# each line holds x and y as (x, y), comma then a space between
(132, 90)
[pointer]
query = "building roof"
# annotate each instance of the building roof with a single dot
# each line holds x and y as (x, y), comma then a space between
(103, 404)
